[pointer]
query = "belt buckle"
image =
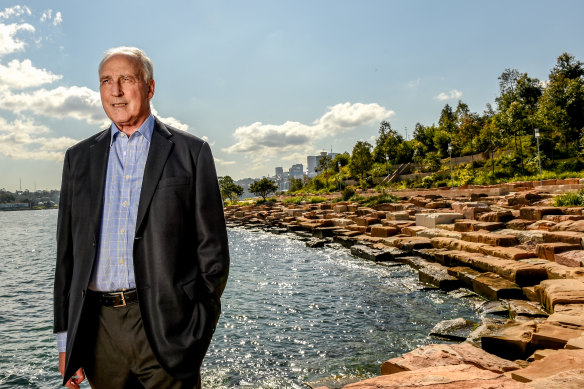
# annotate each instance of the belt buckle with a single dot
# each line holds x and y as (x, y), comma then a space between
(123, 304)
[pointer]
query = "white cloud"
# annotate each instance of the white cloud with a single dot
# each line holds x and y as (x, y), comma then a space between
(171, 121)
(260, 141)
(18, 140)
(9, 43)
(75, 102)
(58, 19)
(221, 162)
(452, 95)
(15, 11)
(20, 75)
(415, 83)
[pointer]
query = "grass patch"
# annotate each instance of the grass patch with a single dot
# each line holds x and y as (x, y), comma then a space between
(570, 199)
(308, 199)
(375, 200)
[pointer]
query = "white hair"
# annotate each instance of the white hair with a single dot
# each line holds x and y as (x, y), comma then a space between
(134, 52)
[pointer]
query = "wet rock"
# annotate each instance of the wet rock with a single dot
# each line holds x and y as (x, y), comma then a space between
(316, 243)
(437, 275)
(371, 254)
(495, 287)
(455, 329)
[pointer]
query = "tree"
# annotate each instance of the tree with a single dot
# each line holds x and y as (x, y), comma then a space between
(229, 189)
(296, 184)
(324, 164)
(263, 187)
(387, 143)
(361, 159)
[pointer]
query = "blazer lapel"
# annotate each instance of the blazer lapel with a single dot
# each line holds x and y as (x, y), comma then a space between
(160, 147)
(98, 157)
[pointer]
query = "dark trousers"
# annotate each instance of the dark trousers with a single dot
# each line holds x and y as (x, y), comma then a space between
(122, 358)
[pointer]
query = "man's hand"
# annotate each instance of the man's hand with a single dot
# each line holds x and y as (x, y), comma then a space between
(74, 381)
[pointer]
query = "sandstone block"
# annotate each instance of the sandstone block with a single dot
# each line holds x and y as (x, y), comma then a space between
(511, 342)
(430, 220)
(549, 250)
(383, 231)
(437, 275)
(412, 230)
(494, 287)
(367, 221)
(441, 377)
(518, 224)
(437, 205)
(489, 238)
(511, 253)
(447, 354)
(464, 225)
(370, 254)
(340, 208)
(576, 226)
(554, 336)
(571, 237)
(496, 216)
(411, 243)
(560, 291)
(558, 362)
(574, 258)
(403, 215)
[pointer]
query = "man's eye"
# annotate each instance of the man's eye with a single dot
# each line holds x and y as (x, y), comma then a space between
(104, 82)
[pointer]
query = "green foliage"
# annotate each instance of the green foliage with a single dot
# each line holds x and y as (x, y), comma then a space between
(376, 200)
(316, 199)
(347, 193)
(570, 199)
(572, 165)
(427, 181)
(296, 184)
(300, 199)
(263, 187)
(229, 189)
(361, 159)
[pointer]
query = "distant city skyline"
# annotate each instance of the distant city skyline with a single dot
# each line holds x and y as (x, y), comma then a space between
(265, 83)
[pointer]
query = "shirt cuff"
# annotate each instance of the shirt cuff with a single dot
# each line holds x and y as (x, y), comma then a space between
(62, 341)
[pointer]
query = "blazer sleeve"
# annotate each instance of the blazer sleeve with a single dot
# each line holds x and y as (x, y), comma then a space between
(64, 263)
(212, 248)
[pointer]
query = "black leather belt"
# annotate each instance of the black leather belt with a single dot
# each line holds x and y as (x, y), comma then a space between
(114, 299)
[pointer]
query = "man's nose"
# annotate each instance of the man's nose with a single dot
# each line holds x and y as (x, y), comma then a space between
(116, 89)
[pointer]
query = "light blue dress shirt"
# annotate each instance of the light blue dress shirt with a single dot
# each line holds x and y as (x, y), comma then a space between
(114, 267)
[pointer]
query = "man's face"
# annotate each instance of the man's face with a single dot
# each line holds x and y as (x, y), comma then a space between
(124, 94)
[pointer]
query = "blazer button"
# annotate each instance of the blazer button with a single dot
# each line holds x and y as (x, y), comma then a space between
(83, 294)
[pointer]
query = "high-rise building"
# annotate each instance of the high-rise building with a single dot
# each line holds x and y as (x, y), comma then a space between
(296, 171)
(279, 171)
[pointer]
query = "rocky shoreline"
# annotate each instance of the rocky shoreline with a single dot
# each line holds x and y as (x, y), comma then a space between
(505, 243)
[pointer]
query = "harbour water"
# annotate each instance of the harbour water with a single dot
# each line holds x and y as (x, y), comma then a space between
(291, 314)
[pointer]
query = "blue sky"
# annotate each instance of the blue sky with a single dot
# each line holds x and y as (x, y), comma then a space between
(265, 82)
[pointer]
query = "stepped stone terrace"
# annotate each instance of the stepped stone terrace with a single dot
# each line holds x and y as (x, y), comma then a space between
(506, 243)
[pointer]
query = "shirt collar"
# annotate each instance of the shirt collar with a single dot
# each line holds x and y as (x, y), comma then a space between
(145, 130)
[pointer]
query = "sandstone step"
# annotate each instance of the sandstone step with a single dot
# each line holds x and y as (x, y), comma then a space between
(383, 231)
(537, 212)
(549, 250)
(558, 362)
(571, 225)
(447, 354)
(554, 335)
(518, 224)
(409, 243)
(437, 275)
(560, 291)
(430, 220)
(494, 287)
(490, 238)
(447, 377)
(571, 237)
(464, 274)
(512, 342)
(574, 258)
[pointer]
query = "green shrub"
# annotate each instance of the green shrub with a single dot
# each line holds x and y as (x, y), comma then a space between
(427, 182)
(347, 193)
(375, 200)
(317, 199)
(570, 199)
(573, 165)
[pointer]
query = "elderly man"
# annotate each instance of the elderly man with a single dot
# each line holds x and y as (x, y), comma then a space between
(142, 254)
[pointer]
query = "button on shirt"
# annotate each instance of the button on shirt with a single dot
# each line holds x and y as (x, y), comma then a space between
(114, 267)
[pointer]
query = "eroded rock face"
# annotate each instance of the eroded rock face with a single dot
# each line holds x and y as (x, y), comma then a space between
(441, 377)
(555, 363)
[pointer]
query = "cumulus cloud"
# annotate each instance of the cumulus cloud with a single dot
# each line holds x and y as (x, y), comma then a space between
(75, 102)
(21, 74)
(452, 95)
(9, 42)
(19, 140)
(259, 140)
